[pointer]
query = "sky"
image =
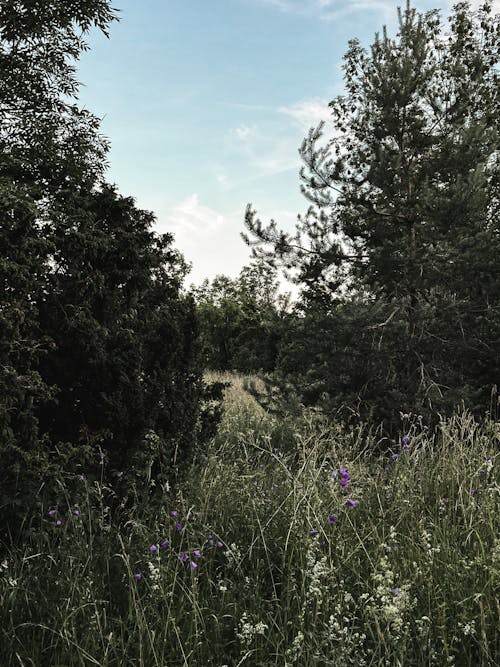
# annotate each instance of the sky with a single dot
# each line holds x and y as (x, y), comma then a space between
(206, 102)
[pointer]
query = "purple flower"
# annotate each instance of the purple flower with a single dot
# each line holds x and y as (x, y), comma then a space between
(344, 473)
(81, 478)
(197, 553)
(183, 557)
(193, 565)
(174, 512)
(211, 542)
(313, 532)
(152, 549)
(481, 472)
(394, 457)
(334, 473)
(352, 503)
(395, 591)
(219, 545)
(178, 526)
(52, 512)
(405, 440)
(331, 519)
(344, 482)
(102, 456)
(76, 513)
(165, 544)
(138, 576)
(58, 522)
(489, 457)
(472, 491)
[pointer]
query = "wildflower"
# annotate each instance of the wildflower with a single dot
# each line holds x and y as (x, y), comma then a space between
(394, 457)
(481, 472)
(344, 482)
(197, 553)
(81, 478)
(344, 473)
(313, 532)
(489, 457)
(395, 591)
(472, 491)
(76, 513)
(138, 576)
(58, 522)
(174, 513)
(193, 565)
(52, 512)
(152, 549)
(334, 473)
(211, 542)
(219, 545)
(165, 544)
(405, 440)
(183, 557)
(102, 456)
(331, 519)
(178, 526)
(352, 503)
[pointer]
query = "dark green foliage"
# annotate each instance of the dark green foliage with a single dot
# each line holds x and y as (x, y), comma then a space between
(398, 253)
(98, 344)
(125, 357)
(242, 320)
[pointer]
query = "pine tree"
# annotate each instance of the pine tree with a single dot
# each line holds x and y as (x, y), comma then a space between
(404, 216)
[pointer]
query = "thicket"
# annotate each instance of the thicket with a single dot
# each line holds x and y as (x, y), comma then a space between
(243, 320)
(99, 358)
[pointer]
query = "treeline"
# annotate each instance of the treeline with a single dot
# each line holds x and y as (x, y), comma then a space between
(398, 254)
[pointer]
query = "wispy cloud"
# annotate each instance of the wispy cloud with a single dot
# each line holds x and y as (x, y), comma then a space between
(263, 151)
(190, 217)
(208, 238)
(329, 10)
(307, 113)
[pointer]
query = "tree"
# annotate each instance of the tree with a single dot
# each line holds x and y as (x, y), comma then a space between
(404, 216)
(98, 342)
(125, 356)
(46, 143)
(242, 320)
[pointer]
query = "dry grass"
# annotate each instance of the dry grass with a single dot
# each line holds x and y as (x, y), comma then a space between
(236, 394)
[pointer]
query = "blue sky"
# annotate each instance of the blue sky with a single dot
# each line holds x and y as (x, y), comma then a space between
(206, 102)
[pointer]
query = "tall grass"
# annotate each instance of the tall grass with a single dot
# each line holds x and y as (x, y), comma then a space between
(258, 558)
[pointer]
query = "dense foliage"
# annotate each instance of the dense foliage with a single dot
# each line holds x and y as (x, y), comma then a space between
(242, 320)
(398, 252)
(98, 345)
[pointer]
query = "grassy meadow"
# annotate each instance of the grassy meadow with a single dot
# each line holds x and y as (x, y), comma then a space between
(288, 542)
